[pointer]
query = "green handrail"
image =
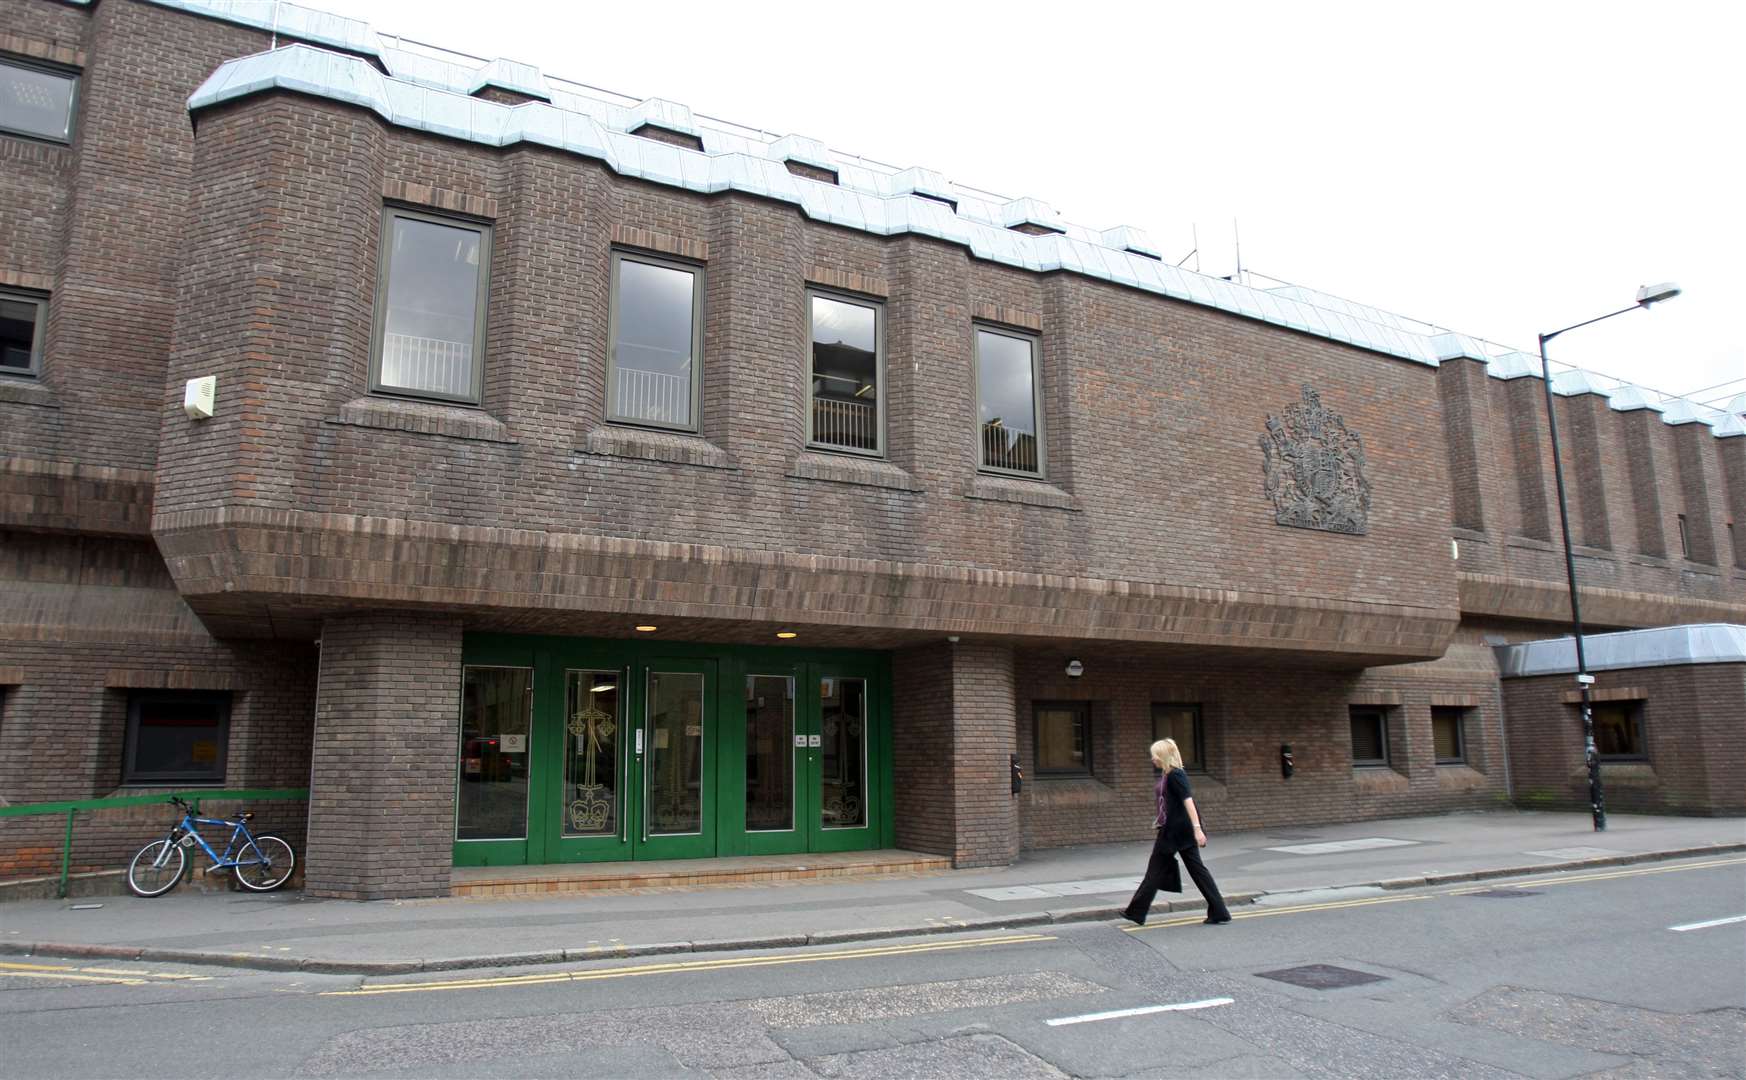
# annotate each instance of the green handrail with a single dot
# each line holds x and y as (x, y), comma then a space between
(71, 807)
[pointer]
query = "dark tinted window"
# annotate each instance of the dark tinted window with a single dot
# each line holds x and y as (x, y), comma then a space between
(176, 738)
(1369, 735)
(1182, 723)
(21, 319)
(1063, 737)
(1448, 733)
(1618, 730)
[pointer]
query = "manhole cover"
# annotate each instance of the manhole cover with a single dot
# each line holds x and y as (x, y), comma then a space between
(1505, 893)
(1321, 977)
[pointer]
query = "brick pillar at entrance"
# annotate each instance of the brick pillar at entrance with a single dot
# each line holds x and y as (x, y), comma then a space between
(954, 721)
(382, 775)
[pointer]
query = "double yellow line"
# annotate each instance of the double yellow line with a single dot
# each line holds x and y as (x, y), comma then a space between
(1332, 905)
(722, 964)
(110, 976)
(1574, 879)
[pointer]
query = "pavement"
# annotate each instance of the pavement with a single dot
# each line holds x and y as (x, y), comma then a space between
(288, 931)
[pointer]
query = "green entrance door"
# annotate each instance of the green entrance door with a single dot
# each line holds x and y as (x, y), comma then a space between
(630, 762)
(809, 740)
(576, 750)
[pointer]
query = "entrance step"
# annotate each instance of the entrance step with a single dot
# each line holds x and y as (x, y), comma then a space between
(666, 873)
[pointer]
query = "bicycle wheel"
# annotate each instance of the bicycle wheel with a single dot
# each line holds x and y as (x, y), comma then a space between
(154, 872)
(265, 864)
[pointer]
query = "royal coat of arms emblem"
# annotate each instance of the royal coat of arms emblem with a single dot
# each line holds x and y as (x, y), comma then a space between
(1314, 469)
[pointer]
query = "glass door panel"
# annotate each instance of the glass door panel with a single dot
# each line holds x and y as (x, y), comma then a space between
(770, 753)
(496, 713)
(676, 752)
(843, 756)
(593, 790)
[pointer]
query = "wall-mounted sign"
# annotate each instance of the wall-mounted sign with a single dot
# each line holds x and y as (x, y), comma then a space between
(1314, 469)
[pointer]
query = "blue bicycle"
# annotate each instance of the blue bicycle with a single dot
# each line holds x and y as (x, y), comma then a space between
(261, 863)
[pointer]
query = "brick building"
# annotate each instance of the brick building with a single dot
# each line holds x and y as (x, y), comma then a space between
(585, 480)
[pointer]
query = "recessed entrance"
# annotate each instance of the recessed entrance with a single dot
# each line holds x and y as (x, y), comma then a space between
(586, 750)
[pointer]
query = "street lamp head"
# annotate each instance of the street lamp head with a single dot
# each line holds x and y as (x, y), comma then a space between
(1654, 294)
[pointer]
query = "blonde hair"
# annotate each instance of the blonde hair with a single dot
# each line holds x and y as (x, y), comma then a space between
(1164, 752)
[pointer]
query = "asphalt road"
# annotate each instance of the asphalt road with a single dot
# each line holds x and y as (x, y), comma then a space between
(1583, 974)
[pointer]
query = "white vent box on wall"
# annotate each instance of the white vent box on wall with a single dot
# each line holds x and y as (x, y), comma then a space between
(198, 399)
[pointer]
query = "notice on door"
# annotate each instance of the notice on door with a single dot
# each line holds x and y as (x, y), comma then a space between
(512, 744)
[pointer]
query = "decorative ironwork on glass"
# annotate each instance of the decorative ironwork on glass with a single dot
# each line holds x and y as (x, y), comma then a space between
(591, 727)
(1315, 470)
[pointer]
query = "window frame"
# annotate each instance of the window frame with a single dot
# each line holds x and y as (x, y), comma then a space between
(130, 775)
(1199, 767)
(77, 77)
(384, 259)
(1637, 708)
(697, 270)
(1460, 713)
(1381, 713)
(1035, 341)
(878, 308)
(38, 333)
(1084, 713)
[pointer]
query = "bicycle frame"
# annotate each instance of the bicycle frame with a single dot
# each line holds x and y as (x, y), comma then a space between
(190, 826)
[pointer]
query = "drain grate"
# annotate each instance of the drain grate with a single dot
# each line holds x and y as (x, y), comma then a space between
(1321, 977)
(1505, 893)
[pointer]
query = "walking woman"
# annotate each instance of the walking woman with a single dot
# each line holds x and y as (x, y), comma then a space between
(1179, 833)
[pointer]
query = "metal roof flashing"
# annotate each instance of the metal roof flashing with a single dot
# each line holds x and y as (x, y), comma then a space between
(432, 90)
(1665, 646)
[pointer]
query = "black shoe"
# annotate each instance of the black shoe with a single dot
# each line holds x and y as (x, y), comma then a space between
(1137, 920)
(1210, 921)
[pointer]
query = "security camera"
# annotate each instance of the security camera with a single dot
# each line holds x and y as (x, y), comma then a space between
(1075, 669)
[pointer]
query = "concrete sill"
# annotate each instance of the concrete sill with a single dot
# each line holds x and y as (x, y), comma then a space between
(1014, 489)
(422, 418)
(1459, 778)
(849, 469)
(644, 444)
(23, 391)
(1376, 779)
(1630, 774)
(1058, 791)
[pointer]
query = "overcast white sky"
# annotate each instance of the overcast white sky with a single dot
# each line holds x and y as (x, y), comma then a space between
(1501, 169)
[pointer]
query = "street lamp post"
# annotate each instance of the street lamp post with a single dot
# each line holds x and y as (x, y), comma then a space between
(1648, 294)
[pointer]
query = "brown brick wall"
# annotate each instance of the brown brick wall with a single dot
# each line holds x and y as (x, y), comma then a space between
(1248, 713)
(82, 621)
(1694, 719)
(382, 780)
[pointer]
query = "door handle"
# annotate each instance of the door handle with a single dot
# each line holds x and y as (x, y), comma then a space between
(639, 742)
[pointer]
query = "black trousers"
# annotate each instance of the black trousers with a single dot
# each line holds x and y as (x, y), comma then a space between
(1161, 873)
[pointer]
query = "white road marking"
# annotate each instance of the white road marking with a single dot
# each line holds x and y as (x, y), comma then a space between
(1333, 846)
(1184, 1006)
(1712, 922)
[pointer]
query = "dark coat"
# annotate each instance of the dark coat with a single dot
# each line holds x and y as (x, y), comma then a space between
(1178, 829)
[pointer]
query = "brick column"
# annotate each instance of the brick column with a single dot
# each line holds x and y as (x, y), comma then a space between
(382, 776)
(954, 718)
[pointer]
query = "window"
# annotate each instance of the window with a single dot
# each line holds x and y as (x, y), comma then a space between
(176, 738)
(1684, 538)
(1618, 731)
(1063, 738)
(657, 341)
(36, 100)
(1449, 734)
(1182, 723)
(430, 306)
(21, 324)
(848, 374)
(1369, 735)
(1006, 402)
